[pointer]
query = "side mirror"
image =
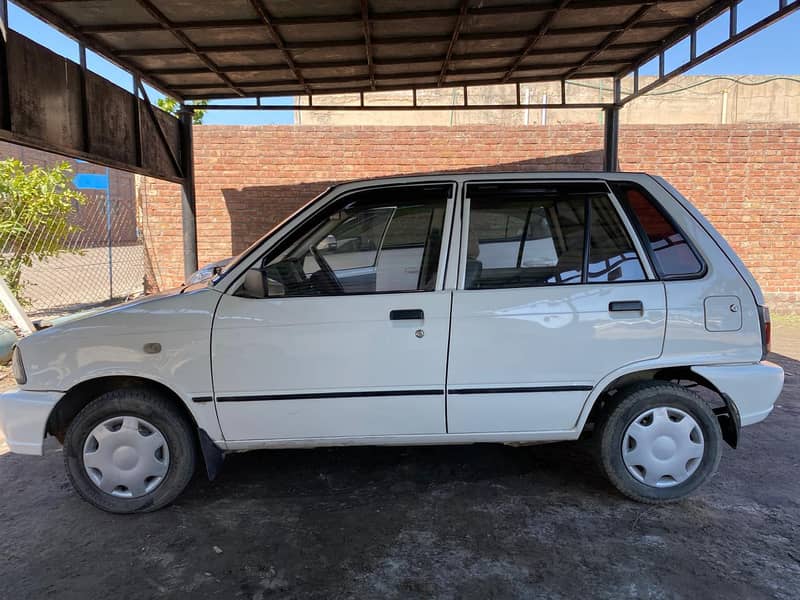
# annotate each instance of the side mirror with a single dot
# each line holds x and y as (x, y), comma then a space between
(254, 286)
(329, 242)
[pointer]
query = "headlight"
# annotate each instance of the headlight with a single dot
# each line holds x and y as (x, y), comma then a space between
(17, 367)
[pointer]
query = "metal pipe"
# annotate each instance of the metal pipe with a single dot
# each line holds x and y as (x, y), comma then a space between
(188, 205)
(109, 236)
(402, 107)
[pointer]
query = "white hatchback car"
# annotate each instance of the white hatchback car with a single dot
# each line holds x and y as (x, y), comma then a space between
(448, 309)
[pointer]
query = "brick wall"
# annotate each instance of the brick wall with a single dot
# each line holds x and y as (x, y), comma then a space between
(744, 178)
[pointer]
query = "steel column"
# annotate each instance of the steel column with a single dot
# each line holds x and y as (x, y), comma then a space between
(611, 130)
(611, 138)
(5, 103)
(188, 207)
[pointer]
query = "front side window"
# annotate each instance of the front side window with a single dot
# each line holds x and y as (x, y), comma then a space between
(672, 254)
(379, 240)
(522, 236)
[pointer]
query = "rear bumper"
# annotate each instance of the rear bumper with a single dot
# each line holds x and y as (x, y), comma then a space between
(23, 418)
(753, 388)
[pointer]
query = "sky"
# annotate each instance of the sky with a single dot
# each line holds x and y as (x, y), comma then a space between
(774, 51)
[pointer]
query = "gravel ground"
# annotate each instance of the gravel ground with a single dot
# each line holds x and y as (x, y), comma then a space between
(450, 522)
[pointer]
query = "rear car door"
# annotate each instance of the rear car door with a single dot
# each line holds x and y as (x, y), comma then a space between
(341, 330)
(553, 295)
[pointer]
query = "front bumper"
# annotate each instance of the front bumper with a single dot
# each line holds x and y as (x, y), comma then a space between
(23, 418)
(753, 388)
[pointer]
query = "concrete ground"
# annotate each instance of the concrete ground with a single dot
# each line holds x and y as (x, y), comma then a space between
(449, 522)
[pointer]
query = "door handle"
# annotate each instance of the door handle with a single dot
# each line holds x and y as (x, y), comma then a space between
(407, 314)
(626, 306)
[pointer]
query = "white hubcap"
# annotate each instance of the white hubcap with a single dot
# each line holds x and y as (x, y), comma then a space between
(662, 447)
(126, 457)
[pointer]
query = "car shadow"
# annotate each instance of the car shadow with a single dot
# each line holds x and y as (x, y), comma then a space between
(386, 471)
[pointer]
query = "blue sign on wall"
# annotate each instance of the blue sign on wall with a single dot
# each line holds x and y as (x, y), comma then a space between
(91, 181)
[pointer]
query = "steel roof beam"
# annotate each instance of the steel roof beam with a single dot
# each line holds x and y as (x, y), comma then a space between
(541, 31)
(462, 14)
(734, 37)
(388, 41)
(181, 37)
(391, 77)
(613, 37)
(277, 67)
(367, 30)
(511, 9)
(266, 21)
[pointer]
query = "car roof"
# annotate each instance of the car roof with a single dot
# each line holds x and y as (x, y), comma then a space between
(483, 175)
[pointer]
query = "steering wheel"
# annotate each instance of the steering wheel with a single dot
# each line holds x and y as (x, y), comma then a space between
(326, 270)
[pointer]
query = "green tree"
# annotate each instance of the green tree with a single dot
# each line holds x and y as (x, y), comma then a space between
(172, 107)
(35, 206)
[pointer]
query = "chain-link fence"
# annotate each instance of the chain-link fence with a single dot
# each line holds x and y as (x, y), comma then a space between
(102, 261)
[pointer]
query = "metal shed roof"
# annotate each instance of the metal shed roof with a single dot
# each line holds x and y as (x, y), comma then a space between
(195, 49)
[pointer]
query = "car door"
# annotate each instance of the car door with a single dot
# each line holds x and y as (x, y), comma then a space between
(552, 296)
(341, 329)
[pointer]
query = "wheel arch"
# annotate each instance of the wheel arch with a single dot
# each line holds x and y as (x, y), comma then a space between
(84, 392)
(683, 374)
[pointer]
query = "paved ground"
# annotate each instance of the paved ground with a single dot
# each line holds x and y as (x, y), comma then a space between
(449, 522)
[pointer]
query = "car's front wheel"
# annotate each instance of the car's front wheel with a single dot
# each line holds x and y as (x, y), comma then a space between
(129, 450)
(659, 442)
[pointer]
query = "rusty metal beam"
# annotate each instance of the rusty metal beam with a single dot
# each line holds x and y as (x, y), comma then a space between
(511, 9)
(366, 27)
(462, 14)
(267, 21)
(613, 37)
(541, 31)
(388, 77)
(162, 136)
(413, 60)
(190, 45)
(389, 41)
(403, 87)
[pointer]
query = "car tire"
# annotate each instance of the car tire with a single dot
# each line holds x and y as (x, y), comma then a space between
(665, 427)
(142, 415)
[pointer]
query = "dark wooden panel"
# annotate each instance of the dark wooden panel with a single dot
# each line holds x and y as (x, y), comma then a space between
(111, 120)
(48, 106)
(155, 157)
(44, 93)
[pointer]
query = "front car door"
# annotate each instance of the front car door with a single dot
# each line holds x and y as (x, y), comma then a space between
(340, 329)
(552, 296)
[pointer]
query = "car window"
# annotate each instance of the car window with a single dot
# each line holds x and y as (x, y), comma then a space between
(672, 254)
(518, 241)
(612, 256)
(380, 240)
(522, 237)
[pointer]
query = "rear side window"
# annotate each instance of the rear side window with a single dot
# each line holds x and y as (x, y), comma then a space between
(671, 252)
(612, 256)
(521, 236)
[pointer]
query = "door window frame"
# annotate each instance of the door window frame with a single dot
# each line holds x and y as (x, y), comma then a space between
(464, 221)
(275, 244)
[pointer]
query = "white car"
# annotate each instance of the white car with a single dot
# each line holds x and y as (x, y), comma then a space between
(446, 309)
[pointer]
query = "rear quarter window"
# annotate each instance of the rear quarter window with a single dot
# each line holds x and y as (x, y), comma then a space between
(672, 254)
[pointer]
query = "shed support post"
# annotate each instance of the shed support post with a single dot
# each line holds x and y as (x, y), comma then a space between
(611, 138)
(188, 209)
(5, 101)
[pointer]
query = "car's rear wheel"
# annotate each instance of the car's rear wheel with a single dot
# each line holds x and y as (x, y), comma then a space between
(130, 450)
(659, 442)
